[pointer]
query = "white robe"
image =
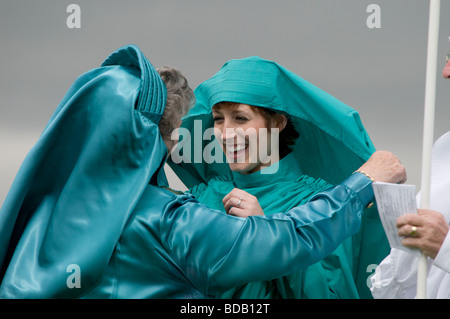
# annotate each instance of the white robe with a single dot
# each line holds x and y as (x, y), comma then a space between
(396, 276)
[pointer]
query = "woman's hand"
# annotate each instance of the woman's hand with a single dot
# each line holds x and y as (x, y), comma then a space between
(242, 204)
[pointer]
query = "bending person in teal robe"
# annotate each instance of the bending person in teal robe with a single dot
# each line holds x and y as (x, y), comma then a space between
(89, 214)
(332, 143)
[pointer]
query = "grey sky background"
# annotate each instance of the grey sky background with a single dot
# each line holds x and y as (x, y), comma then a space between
(379, 72)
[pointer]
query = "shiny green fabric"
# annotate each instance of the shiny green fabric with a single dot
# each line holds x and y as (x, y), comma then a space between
(79, 184)
(92, 193)
(332, 144)
(174, 247)
(277, 193)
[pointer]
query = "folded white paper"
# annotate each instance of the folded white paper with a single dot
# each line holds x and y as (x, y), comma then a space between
(393, 201)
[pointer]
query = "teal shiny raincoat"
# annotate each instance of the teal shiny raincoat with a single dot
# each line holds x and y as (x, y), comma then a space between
(89, 214)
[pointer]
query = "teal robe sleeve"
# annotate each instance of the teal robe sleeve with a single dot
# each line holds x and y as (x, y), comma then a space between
(223, 251)
(174, 247)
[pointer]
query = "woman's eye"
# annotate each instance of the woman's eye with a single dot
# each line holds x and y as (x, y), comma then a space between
(241, 119)
(217, 118)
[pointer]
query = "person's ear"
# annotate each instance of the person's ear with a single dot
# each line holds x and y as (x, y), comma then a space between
(282, 122)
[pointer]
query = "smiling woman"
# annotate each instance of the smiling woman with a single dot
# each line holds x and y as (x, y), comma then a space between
(242, 130)
(320, 142)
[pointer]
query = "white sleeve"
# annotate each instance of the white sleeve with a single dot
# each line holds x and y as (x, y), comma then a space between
(442, 259)
(395, 277)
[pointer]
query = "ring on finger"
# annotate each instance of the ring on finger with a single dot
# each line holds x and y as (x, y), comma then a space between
(413, 231)
(239, 202)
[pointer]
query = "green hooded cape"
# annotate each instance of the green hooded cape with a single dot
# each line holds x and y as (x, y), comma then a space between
(332, 144)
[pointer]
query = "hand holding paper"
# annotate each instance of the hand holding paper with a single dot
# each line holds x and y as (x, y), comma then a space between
(431, 229)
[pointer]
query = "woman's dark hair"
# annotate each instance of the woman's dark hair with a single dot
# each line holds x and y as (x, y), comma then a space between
(288, 135)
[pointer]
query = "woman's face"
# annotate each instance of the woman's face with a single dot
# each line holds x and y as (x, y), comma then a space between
(243, 134)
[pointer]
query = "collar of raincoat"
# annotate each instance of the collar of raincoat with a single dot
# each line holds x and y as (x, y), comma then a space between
(287, 169)
(153, 92)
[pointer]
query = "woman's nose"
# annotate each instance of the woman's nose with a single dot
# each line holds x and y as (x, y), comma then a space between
(227, 132)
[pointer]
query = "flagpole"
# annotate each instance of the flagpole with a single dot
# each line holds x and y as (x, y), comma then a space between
(428, 130)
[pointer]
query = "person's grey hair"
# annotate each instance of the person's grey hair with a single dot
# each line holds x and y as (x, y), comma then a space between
(180, 99)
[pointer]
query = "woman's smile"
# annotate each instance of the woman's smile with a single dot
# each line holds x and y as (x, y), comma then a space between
(236, 151)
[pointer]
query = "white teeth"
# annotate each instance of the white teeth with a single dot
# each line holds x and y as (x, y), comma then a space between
(237, 148)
